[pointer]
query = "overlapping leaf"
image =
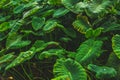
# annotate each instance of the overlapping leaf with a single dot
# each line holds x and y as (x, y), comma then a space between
(14, 42)
(102, 72)
(50, 53)
(60, 12)
(22, 57)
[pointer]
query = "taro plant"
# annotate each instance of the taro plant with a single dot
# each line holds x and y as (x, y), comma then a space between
(59, 40)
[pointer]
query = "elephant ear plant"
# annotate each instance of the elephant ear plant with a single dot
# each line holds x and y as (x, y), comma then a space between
(59, 39)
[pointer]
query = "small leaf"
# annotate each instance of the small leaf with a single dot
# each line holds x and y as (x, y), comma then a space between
(71, 5)
(31, 12)
(116, 45)
(51, 25)
(81, 25)
(54, 2)
(14, 42)
(37, 23)
(97, 31)
(20, 44)
(17, 26)
(6, 58)
(4, 18)
(69, 68)
(22, 57)
(50, 53)
(4, 26)
(60, 12)
(102, 72)
(18, 9)
(89, 33)
(40, 45)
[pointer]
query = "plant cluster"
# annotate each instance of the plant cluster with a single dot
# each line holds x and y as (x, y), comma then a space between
(60, 39)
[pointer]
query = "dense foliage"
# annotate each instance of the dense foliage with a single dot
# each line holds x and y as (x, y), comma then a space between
(60, 39)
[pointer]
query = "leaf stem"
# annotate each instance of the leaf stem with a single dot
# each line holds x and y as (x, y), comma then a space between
(26, 72)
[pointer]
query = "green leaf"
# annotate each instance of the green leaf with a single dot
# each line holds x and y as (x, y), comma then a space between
(4, 18)
(50, 25)
(50, 53)
(93, 33)
(71, 5)
(89, 33)
(40, 45)
(64, 77)
(37, 23)
(20, 44)
(102, 72)
(98, 31)
(4, 26)
(19, 9)
(113, 61)
(54, 2)
(65, 39)
(88, 51)
(110, 26)
(14, 42)
(22, 57)
(17, 26)
(31, 12)
(97, 7)
(116, 45)
(47, 13)
(81, 25)
(69, 68)
(6, 58)
(60, 12)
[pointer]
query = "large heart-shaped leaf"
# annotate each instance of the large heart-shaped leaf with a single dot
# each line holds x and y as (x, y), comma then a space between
(88, 51)
(72, 69)
(116, 45)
